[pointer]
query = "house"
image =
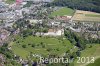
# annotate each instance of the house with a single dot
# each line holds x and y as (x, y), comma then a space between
(7, 16)
(16, 31)
(3, 7)
(35, 21)
(2, 60)
(53, 23)
(86, 18)
(3, 36)
(54, 32)
(51, 32)
(63, 18)
(85, 21)
(94, 36)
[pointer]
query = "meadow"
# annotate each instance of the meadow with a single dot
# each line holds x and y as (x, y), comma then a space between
(96, 63)
(10, 1)
(43, 46)
(63, 11)
(92, 50)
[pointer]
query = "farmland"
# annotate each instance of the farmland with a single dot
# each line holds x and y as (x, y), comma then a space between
(86, 16)
(92, 15)
(40, 45)
(63, 11)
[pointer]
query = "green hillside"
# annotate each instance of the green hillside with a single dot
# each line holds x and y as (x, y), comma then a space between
(40, 45)
(63, 11)
(90, 5)
(90, 51)
(96, 63)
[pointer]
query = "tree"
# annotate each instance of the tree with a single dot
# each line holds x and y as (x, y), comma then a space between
(33, 45)
(90, 5)
(27, 32)
(24, 46)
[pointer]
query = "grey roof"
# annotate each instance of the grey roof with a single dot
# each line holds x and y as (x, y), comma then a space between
(39, 0)
(2, 5)
(6, 15)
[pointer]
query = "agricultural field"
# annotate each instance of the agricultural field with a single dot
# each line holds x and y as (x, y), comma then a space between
(92, 15)
(40, 45)
(90, 51)
(63, 11)
(86, 16)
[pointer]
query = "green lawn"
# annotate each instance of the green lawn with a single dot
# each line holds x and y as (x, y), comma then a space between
(63, 11)
(56, 46)
(10, 1)
(94, 51)
(96, 63)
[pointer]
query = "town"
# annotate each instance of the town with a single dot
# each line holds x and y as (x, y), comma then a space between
(30, 29)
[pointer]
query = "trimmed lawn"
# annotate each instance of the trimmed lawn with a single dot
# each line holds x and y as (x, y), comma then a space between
(42, 46)
(63, 11)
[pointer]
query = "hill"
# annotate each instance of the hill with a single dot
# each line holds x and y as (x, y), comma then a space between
(90, 51)
(90, 5)
(96, 63)
(43, 46)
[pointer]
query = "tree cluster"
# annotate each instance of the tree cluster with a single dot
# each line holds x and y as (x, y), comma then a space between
(88, 5)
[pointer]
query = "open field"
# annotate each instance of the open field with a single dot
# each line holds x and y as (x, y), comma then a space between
(41, 45)
(63, 11)
(96, 63)
(10, 1)
(86, 16)
(90, 51)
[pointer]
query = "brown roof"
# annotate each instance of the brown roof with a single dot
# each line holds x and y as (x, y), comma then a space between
(63, 18)
(0, 64)
(51, 30)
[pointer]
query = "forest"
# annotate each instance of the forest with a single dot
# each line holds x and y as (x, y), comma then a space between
(87, 5)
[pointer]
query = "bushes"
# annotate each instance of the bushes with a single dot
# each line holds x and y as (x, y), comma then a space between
(4, 50)
(24, 46)
(75, 39)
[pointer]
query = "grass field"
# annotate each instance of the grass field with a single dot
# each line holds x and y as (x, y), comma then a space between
(10, 1)
(93, 51)
(56, 46)
(96, 63)
(63, 11)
